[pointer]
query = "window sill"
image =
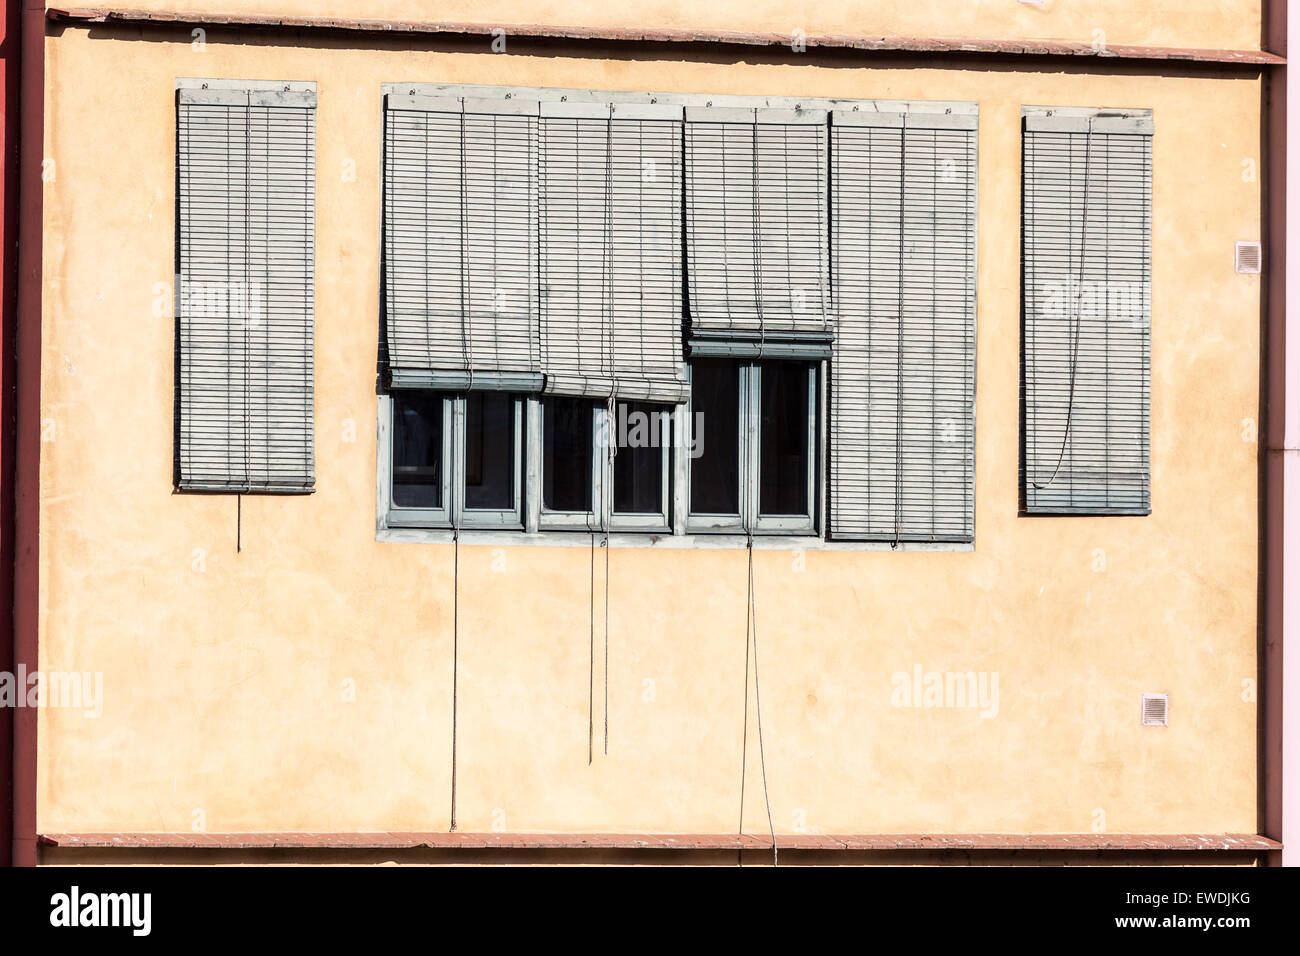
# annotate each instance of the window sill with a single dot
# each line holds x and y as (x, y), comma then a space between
(625, 539)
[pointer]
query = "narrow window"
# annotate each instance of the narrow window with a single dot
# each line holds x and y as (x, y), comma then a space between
(417, 450)
(639, 466)
(566, 454)
(783, 446)
(715, 417)
(490, 451)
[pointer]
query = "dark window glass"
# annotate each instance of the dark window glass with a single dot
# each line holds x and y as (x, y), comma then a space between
(566, 454)
(783, 439)
(490, 451)
(639, 432)
(715, 424)
(417, 450)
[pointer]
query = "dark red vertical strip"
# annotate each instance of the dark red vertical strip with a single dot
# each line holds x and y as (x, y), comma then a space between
(27, 459)
(1273, 430)
(10, 41)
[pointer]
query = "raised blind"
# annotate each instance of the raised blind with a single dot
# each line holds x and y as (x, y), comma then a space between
(460, 243)
(902, 437)
(756, 232)
(610, 251)
(1086, 314)
(245, 295)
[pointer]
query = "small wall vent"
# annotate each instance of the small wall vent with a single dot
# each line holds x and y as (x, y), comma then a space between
(1250, 258)
(1155, 710)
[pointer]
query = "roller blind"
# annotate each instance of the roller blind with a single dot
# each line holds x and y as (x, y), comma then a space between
(756, 232)
(610, 251)
(460, 243)
(902, 429)
(1086, 335)
(245, 297)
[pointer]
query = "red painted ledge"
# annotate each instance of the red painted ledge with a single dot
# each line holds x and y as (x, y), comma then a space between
(1233, 842)
(861, 43)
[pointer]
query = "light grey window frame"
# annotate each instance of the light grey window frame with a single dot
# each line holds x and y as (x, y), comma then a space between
(602, 516)
(631, 521)
(399, 516)
(512, 518)
(453, 475)
(750, 456)
(568, 520)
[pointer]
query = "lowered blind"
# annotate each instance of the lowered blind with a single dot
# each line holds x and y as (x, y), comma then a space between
(903, 370)
(1086, 312)
(460, 243)
(245, 297)
(756, 232)
(610, 256)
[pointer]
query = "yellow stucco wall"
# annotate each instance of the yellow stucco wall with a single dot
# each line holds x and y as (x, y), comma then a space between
(1234, 24)
(223, 672)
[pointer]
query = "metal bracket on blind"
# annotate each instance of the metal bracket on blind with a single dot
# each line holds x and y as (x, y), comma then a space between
(1134, 122)
(301, 94)
(892, 119)
(738, 343)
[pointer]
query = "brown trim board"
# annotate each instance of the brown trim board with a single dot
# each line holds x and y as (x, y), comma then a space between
(860, 43)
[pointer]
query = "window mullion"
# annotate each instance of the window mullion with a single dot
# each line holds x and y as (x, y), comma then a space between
(458, 461)
(533, 466)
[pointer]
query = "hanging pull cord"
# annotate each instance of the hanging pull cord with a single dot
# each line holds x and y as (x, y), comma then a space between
(607, 512)
(591, 650)
(1078, 313)
(607, 304)
(455, 659)
(751, 642)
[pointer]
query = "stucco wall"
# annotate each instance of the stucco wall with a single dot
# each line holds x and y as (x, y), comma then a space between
(224, 673)
(1234, 24)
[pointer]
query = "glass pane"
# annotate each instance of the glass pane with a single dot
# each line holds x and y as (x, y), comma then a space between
(490, 451)
(566, 454)
(417, 449)
(783, 439)
(639, 431)
(715, 437)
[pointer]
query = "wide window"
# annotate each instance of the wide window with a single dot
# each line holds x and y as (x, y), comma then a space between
(754, 437)
(679, 313)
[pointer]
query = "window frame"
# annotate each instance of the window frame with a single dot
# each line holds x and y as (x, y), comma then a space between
(750, 519)
(554, 520)
(602, 517)
(659, 521)
(453, 511)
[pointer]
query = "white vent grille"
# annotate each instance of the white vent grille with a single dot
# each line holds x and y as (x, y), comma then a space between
(1250, 258)
(1155, 710)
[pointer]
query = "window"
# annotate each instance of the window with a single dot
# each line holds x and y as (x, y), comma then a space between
(679, 313)
(902, 389)
(1086, 338)
(755, 435)
(245, 224)
(456, 460)
(603, 473)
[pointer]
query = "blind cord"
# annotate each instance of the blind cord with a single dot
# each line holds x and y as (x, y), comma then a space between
(751, 641)
(455, 658)
(1078, 313)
